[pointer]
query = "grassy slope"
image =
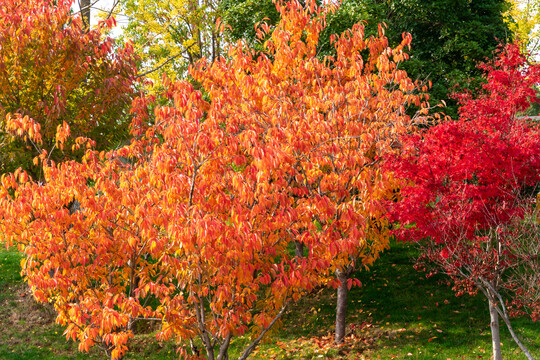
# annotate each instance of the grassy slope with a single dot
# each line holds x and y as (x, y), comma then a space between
(396, 314)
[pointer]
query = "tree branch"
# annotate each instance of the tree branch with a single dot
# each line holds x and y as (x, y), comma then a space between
(253, 345)
(165, 62)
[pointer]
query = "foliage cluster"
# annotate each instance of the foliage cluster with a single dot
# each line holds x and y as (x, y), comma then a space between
(53, 72)
(449, 37)
(169, 36)
(471, 183)
(190, 224)
(523, 19)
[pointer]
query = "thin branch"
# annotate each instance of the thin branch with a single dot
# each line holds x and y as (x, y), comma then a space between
(165, 62)
(115, 4)
(253, 345)
(85, 8)
(504, 315)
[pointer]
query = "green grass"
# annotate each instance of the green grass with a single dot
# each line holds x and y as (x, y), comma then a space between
(9, 270)
(397, 313)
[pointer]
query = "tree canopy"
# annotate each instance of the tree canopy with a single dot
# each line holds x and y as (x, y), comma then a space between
(169, 36)
(449, 37)
(469, 184)
(54, 72)
(523, 19)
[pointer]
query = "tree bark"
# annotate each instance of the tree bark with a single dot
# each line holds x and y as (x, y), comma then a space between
(504, 315)
(298, 249)
(85, 13)
(223, 349)
(494, 324)
(341, 310)
(492, 293)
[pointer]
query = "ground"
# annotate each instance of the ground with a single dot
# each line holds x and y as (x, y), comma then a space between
(396, 314)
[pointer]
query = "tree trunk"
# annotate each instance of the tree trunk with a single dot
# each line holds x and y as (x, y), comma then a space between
(85, 13)
(224, 348)
(341, 310)
(195, 25)
(504, 315)
(298, 249)
(495, 338)
(516, 339)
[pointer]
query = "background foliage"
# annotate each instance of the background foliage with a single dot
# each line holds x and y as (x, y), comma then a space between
(53, 71)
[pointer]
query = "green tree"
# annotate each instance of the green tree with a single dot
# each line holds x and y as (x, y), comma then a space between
(241, 17)
(169, 36)
(449, 36)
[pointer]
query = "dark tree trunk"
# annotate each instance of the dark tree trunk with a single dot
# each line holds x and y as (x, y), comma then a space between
(85, 13)
(341, 310)
(298, 249)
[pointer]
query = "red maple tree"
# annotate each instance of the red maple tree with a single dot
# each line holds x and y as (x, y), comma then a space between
(470, 180)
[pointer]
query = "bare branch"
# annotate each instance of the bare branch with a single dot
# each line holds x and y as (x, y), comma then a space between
(252, 346)
(165, 62)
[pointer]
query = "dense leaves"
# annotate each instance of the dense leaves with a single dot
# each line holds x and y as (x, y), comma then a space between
(523, 20)
(471, 179)
(485, 160)
(324, 130)
(53, 71)
(171, 35)
(449, 37)
(242, 17)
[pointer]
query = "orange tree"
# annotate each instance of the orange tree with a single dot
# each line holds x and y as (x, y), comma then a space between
(52, 70)
(313, 133)
(199, 216)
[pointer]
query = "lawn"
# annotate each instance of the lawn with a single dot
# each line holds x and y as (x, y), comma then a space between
(396, 314)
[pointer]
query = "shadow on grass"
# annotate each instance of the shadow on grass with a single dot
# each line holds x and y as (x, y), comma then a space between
(397, 313)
